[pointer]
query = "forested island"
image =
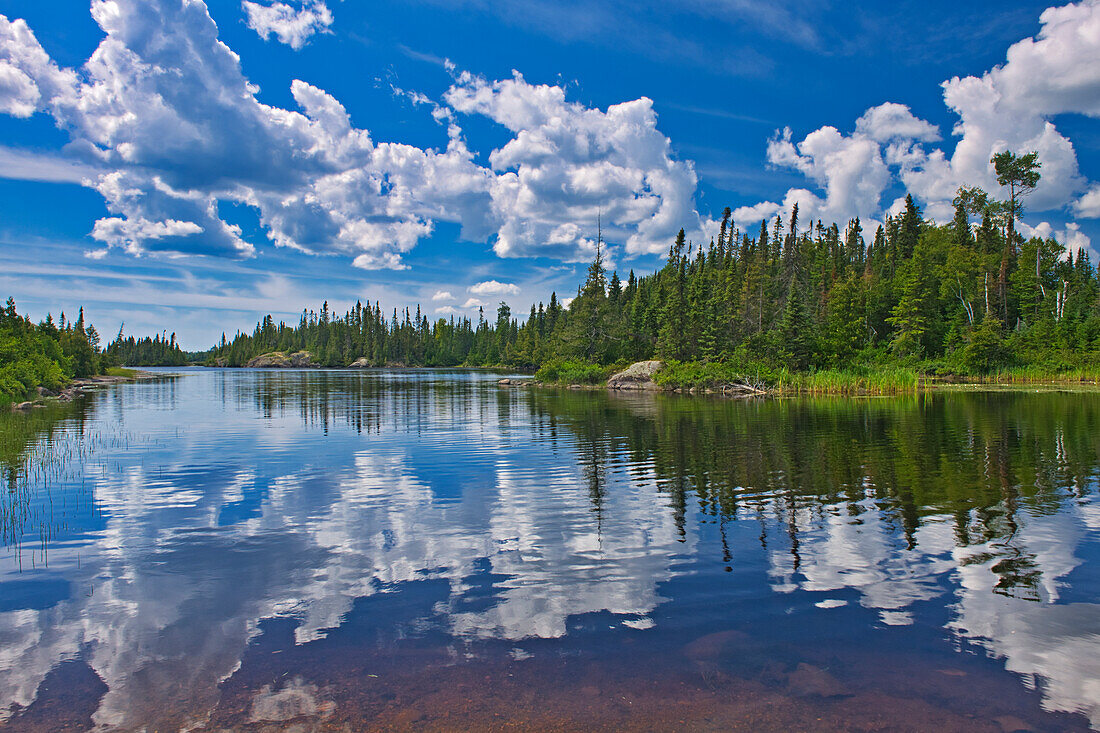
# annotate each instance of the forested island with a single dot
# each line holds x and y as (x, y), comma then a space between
(801, 305)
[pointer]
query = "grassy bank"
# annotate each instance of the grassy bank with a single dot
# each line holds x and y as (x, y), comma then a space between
(576, 372)
(121, 372)
(860, 379)
(1040, 373)
(855, 380)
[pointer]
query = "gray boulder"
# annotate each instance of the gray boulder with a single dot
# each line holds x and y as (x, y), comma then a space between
(281, 360)
(638, 375)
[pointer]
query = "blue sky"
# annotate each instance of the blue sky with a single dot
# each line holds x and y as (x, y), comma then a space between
(190, 167)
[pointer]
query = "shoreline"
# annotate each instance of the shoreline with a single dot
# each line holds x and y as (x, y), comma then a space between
(829, 384)
(79, 386)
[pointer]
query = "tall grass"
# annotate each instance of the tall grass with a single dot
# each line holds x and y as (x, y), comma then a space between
(1046, 373)
(574, 372)
(858, 379)
(877, 380)
(866, 380)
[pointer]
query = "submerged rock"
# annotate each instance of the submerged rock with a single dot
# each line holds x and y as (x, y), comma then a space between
(718, 644)
(810, 681)
(1012, 724)
(638, 375)
(281, 360)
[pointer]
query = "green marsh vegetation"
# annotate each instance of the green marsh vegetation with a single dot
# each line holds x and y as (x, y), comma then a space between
(39, 450)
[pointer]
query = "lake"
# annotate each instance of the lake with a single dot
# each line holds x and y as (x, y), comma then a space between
(336, 550)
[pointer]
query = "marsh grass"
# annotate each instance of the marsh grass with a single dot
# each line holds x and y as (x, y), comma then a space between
(866, 380)
(890, 380)
(44, 455)
(575, 372)
(1036, 373)
(121, 372)
(858, 379)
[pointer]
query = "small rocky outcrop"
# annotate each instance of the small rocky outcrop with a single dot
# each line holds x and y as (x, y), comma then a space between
(360, 363)
(281, 360)
(638, 375)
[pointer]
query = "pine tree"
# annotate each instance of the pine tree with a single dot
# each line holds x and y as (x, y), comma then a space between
(796, 332)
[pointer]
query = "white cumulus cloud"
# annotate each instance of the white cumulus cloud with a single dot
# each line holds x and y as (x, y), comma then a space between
(291, 25)
(568, 166)
(125, 232)
(493, 287)
(1088, 206)
(442, 295)
(172, 130)
(1071, 237)
(892, 121)
(850, 169)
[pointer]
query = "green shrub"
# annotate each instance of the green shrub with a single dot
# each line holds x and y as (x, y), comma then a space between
(574, 372)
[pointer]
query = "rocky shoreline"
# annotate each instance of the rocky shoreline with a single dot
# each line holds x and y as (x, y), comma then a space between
(77, 388)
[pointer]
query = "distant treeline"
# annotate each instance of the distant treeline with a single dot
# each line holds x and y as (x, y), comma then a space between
(966, 297)
(404, 338)
(46, 354)
(160, 350)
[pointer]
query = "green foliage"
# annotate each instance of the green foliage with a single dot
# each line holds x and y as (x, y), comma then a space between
(574, 372)
(1018, 171)
(985, 349)
(797, 340)
(29, 360)
(699, 375)
(864, 380)
(35, 355)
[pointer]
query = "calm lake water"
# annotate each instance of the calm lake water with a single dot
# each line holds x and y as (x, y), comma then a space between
(312, 550)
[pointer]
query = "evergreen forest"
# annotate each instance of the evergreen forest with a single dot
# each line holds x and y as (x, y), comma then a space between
(46, 354)
(969, 297)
